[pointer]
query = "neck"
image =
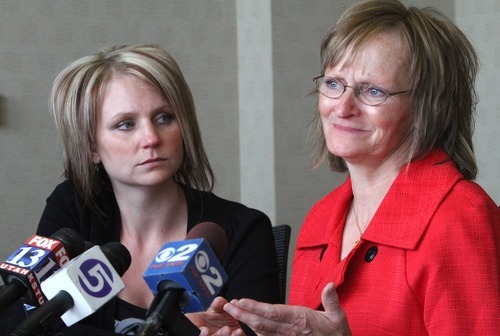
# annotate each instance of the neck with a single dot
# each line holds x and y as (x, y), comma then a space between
(370, 184)
(148, 214)
(369, 188)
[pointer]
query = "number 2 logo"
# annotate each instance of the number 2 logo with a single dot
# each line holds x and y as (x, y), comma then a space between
(210, 274)
(172, 255)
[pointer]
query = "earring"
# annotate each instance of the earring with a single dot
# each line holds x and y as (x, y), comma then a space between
(98, 180)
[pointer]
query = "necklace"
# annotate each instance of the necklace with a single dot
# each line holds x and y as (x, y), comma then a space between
(357, 224)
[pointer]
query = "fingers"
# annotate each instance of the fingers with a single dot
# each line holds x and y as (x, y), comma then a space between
(246, 308)
(330, 299)
(224, 331)
(333, 311)
(242, 311)
(263, 318)
(268, 319)
(204, 331)
(269, 311)
(238, 332)
(217, 305)
(233, 309)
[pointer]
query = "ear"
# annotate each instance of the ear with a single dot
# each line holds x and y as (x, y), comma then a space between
(95, 158)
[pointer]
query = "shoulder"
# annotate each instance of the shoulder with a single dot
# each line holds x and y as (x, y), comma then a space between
(465, 226)
(65, 190)
(65, 208)
(467, 210)
(470, 193)
(206, 206)
(457, 255)
(64, 198)
(209, 204)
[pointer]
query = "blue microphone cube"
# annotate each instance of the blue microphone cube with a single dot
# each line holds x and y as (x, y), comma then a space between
(189, 264)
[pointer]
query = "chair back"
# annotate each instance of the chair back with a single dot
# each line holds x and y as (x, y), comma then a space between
(282, 241)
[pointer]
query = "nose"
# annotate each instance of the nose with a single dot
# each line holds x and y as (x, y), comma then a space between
(150, 136)
(344, 106)
(347, 104)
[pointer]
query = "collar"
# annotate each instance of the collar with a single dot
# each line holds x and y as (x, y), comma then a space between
(405, 212)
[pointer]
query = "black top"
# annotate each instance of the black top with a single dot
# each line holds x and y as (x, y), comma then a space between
(249, 261)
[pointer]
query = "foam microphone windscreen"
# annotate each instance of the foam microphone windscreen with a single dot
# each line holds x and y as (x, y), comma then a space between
(71, 240)
(118, 255)
(213, 234)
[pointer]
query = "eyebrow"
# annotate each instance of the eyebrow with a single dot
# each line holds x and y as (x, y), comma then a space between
(344, 81)
(120, 115)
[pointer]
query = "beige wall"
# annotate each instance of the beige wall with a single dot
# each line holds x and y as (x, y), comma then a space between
(39, 38)
(479, 20)
(250, 65)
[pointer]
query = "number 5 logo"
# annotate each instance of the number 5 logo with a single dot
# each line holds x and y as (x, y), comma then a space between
(96, 278)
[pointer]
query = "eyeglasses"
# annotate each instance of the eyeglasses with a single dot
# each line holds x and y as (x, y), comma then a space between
(367, 94)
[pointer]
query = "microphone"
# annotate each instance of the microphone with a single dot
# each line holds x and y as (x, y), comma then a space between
(78, 289)
(185, 276)
(33, 262)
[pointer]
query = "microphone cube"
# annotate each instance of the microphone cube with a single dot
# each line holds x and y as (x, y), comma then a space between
(33, 262)
(189, 264)
(90, 279)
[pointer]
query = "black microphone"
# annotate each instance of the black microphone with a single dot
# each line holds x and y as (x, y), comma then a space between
(33, 262)
(78, 289)
(185, 276)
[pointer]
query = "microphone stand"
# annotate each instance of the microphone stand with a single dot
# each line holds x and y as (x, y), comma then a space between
(166, 314)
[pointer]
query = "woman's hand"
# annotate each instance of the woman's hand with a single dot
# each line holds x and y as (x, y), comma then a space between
(267, 319)
(215, 321)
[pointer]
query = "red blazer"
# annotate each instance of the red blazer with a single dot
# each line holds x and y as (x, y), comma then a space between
(428, 263)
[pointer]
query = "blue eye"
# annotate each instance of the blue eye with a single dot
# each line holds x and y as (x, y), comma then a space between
(374, 91)
(165, 118)
(332, 84)
(125, 125)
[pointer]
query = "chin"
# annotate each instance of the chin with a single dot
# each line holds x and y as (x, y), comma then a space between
(342, 152)
(156, 181)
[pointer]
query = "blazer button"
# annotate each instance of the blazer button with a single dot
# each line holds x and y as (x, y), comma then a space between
(371, 253)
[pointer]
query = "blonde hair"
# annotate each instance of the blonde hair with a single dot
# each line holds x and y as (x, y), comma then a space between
(442, 76)
(77, 95)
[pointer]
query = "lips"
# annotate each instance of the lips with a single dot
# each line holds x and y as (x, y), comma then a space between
(152, 160)
(347, 128)
(342, 125)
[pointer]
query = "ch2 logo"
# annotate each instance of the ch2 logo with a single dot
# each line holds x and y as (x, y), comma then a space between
(95, 278)
(171, 254)
(210, 274)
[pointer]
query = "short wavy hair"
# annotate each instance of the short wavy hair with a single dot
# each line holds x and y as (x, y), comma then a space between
(442, 77)
(77, 96)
